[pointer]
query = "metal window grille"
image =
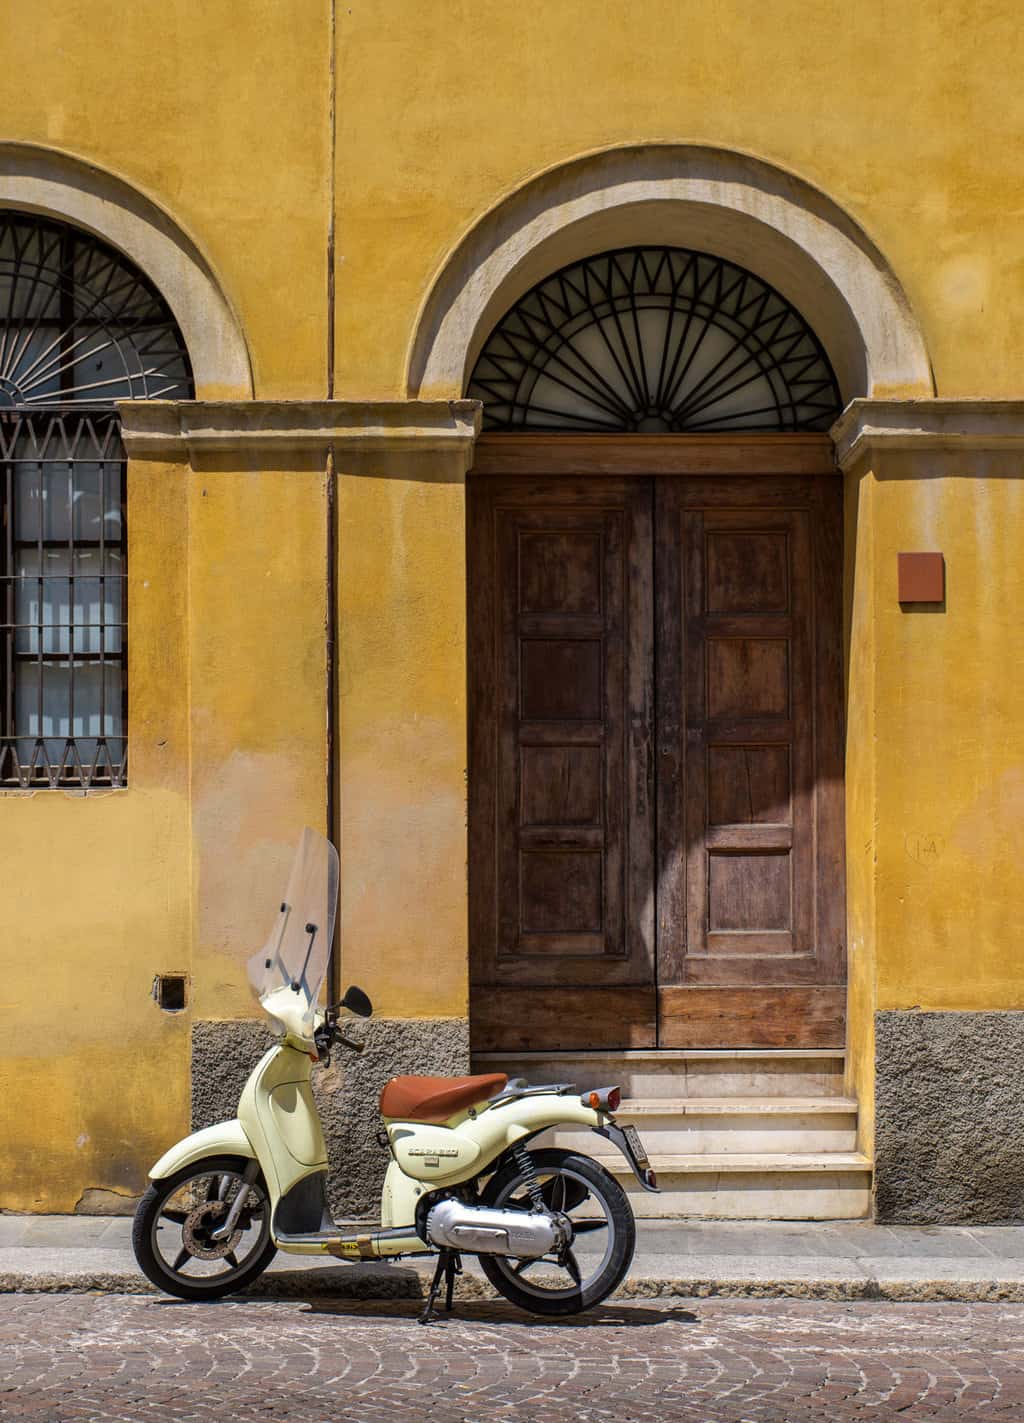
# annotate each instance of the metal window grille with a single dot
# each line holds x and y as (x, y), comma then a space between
(64, 679)
(80, 327)
(654, 339)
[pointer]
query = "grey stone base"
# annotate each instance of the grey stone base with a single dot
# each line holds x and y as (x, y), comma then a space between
(347, 1092)
(949, 1117)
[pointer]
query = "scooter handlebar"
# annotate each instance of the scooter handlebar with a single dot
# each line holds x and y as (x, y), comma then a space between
(327, 1035)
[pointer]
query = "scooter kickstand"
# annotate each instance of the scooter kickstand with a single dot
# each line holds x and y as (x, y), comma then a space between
(452, 1268)
(435, 1285)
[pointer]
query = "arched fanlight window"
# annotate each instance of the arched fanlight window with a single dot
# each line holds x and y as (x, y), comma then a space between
(80, 328)
(654, 339)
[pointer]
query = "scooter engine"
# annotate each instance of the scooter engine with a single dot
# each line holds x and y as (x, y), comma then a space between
(482, 1230)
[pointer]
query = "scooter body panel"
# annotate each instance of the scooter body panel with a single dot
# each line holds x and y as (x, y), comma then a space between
(278, 1114)
(224, 1139)
(399, 1198)
(448, 1155)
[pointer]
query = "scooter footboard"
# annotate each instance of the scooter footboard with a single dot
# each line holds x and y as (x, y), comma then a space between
(223, 1139)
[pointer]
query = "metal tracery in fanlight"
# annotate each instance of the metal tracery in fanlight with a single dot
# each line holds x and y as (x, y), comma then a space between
(80, 327)
(654, 339)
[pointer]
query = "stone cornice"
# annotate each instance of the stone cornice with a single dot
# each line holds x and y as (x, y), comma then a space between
(867, 425)
(172, 429)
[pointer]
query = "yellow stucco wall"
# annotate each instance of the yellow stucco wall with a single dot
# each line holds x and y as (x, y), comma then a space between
(227, 764)
(258, 693)
(950, 735)
(898, 111)
(93, 1077)
(935, 766)
(402, 711)
(220, 114)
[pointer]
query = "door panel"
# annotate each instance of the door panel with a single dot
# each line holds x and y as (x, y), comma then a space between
(773, 1017)
(749, 768)
(561, 803)
(563, 1018)
(689, 899)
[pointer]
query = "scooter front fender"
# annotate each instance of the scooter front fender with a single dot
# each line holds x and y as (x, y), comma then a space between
(224, 1139)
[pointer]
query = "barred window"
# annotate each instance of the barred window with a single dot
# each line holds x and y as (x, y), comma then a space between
(80, 327)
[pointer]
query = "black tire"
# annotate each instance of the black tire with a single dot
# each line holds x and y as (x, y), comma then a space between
(156, 1268)
(510, 1182)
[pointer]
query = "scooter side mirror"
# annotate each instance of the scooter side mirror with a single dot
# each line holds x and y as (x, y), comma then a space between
(356, 1001)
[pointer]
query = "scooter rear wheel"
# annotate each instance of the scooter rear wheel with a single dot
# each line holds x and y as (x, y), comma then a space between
(174, 1223)
(603, 1224)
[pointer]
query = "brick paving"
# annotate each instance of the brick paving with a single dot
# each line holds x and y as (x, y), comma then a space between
(117, 1359)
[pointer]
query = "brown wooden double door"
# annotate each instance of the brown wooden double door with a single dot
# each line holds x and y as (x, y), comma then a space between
(656, 848)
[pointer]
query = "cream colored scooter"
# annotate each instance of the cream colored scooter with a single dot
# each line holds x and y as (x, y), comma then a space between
(553, 1230)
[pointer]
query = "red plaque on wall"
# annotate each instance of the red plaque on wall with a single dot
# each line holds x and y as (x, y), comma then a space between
(921, 577)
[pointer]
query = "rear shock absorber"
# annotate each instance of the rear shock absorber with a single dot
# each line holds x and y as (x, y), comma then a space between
(524, 1161)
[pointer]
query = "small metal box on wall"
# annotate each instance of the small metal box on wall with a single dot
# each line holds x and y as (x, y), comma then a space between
(921, 577)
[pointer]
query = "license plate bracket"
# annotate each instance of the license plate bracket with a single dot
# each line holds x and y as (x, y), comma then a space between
(636, 1147)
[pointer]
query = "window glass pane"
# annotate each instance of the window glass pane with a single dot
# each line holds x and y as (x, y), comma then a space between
(98, 601)
(53, 606)
(97, 487)
(42, 600)
(43, 494)
(79, 699)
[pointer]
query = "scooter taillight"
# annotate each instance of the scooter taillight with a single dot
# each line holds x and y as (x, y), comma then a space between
(604, 1099)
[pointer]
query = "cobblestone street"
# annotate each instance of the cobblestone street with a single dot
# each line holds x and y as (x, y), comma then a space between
(111, 1357)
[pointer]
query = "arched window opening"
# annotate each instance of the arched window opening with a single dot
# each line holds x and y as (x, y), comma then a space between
(654, 340)
(80, 327)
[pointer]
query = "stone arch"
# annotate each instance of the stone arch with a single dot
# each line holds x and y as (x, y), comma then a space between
(43, 181)
(737, 207)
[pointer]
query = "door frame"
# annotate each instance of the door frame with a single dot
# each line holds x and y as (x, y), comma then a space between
(752, 455)
(648, 456)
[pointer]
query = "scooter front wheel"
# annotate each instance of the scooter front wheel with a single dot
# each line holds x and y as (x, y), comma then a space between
(174, 1232)
(604, 1234)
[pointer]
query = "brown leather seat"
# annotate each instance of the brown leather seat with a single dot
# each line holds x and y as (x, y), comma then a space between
(435, 1099)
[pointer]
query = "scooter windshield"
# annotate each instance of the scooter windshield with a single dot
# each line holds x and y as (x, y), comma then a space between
(289, 972)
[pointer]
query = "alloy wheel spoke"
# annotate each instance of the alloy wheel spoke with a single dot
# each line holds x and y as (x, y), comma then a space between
(181, 1259)
(572, 1265)
(524, 1265)
(232, 1259)
(175, 1216)
(563, 1193)
(584, 1227)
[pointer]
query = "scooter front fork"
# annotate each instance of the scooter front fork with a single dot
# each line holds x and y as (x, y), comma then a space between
(449, 1264)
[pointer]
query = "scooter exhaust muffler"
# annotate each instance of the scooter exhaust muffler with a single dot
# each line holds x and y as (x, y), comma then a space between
(482, 1230)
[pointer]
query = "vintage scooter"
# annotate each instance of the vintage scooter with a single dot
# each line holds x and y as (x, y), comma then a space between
(552, 1228)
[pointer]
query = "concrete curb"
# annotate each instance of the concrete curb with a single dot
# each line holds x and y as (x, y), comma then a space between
(389, 1283)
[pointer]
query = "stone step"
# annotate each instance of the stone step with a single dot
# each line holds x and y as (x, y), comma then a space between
(730, 1125)
(756, 1186)
(660, 1072)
